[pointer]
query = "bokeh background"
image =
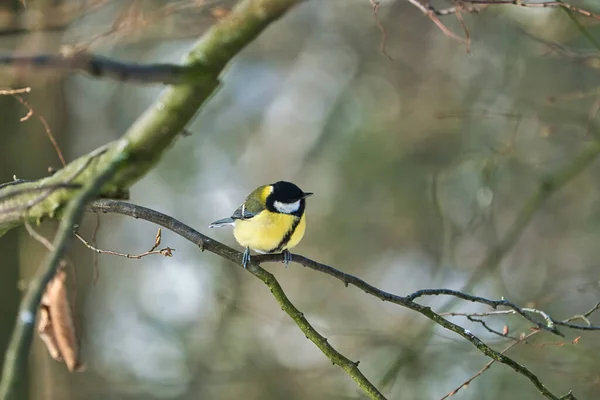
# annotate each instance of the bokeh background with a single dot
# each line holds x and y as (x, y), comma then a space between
(420, 165)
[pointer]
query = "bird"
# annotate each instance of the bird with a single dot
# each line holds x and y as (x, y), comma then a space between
(272, 219)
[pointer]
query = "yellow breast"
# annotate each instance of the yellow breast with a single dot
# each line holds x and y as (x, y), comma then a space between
(267, 231)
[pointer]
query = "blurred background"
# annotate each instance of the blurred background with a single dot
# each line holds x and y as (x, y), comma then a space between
(420, 165)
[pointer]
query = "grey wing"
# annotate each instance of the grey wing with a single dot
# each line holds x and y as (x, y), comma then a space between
(240, 213)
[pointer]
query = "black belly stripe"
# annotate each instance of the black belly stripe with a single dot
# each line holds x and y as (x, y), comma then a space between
(286, 238)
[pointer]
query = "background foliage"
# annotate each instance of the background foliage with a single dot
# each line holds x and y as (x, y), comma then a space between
(419, 165)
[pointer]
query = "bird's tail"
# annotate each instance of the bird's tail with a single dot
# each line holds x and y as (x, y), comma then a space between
(222, 222)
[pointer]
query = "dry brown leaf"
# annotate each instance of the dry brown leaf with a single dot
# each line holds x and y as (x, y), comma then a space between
(56, 323)
(46, 331)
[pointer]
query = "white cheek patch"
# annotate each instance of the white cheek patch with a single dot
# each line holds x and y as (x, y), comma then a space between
(286, 208)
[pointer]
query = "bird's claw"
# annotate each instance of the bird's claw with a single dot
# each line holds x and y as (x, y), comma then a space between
(246, 258)
(287, 257)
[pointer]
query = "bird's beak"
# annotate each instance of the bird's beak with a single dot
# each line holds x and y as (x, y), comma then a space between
(306, 194)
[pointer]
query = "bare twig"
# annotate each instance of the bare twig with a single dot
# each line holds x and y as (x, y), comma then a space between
(167, 251)
(375, 4)
(14, 91)
(30, 113)
(34, 234)
(479, 314)
(134, 19)
(463, 5)
(549, 326)
(95, 243)
(430, 12)
(461, 20)
(545, 4)
(549, 320)
(583, 317)
(488, 365)
(489, 329)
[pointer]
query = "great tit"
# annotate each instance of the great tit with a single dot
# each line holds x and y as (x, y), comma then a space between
(270, 220)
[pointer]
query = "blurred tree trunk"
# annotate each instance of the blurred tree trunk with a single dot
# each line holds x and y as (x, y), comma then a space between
(26, 153)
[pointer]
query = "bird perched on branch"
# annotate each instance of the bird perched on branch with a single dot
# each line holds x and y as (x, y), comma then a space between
(271, 220)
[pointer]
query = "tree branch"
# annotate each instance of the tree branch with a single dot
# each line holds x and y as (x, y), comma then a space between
(208, 244)
(104, 67)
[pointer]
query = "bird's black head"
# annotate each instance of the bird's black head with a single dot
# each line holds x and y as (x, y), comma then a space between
(287, 198)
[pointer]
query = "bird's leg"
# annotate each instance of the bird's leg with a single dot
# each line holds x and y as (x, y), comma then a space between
(246, 258)
(287, 257)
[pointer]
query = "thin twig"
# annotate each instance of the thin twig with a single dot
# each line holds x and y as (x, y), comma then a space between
(488, 365)
(462, 23)
(34, 234)
(133, 20)
(566, 322)
(15, 91)
(584, 317)
(479, 314)
(95, 243)
(30, 113)
(431, 14)
(489, 329)
(375, 4)
(549, 326)
(545, 4)
(167, 251)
